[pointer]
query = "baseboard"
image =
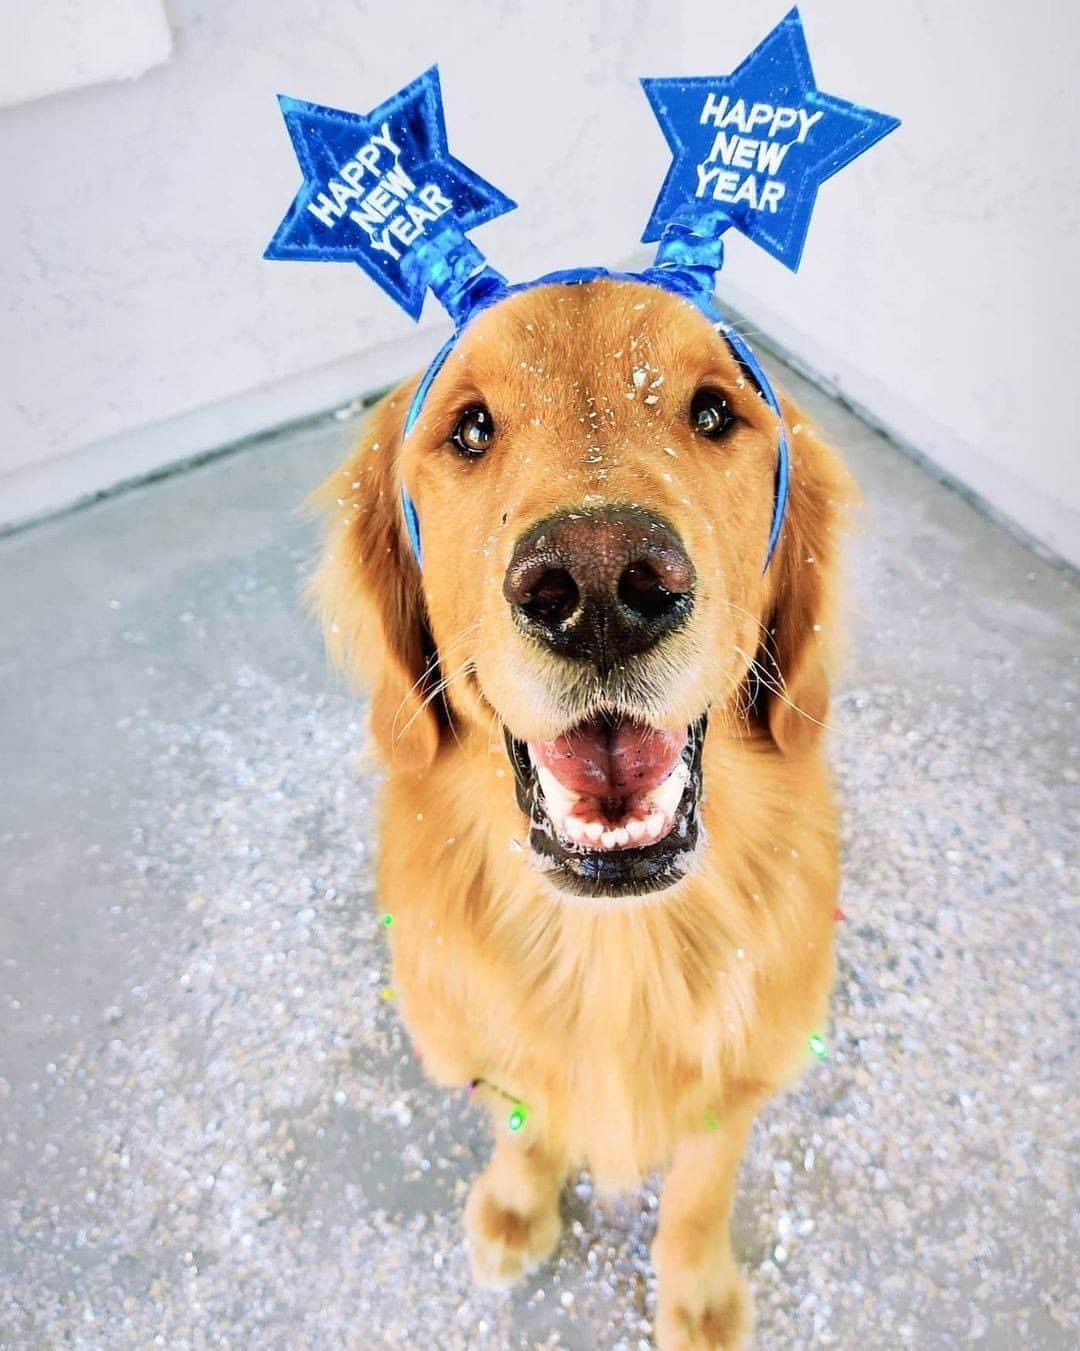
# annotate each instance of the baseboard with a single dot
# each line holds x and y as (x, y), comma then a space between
(37, 491)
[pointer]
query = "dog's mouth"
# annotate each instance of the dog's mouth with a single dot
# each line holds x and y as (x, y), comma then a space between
(612, 804)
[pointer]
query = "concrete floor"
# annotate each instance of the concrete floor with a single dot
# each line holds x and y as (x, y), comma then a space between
(213, 1130)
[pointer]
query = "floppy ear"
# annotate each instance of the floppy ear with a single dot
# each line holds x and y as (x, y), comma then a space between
(804, 632)
(367, 592)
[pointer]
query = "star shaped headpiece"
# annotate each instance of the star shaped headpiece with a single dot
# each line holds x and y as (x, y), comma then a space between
(750, 151)
(384, 191)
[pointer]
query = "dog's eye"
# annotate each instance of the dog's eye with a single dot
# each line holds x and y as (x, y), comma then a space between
(710, 415)
(474, 431)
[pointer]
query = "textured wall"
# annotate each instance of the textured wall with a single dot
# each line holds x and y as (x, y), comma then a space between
(139, 323)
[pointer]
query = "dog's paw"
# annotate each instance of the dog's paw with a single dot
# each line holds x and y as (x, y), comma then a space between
(699, 1311)
(505, 1243)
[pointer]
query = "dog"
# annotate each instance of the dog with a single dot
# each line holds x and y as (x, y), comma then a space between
(608, 837)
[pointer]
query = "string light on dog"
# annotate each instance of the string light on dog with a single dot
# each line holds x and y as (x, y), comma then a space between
(818, 1045)
(750, 150)
(518, 1116)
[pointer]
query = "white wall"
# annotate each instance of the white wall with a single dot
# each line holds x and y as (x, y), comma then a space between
(139, 324)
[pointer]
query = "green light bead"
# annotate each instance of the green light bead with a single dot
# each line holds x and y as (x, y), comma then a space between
(387, 920)
(516, 1119)
(818, 1045)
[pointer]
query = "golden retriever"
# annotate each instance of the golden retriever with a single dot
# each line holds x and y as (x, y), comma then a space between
(608, 837)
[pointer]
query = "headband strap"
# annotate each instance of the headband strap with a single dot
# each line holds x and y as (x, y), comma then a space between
(678, 282)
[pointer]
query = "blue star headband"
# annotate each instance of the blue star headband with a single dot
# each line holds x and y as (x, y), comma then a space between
(750, 150)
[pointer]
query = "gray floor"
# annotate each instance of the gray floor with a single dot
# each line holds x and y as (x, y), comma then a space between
(213, 1130)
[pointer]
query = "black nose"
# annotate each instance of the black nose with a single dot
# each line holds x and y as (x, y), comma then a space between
(600, 585)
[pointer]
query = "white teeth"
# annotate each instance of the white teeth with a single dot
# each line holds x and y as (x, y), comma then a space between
(575, 828)
(661, 803)
(667, 795)
(654, 824)
(558, 800)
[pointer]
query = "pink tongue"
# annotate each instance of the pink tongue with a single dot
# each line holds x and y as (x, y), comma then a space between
(602, 759)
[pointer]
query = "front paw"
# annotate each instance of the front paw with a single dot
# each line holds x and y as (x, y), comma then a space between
(506, 1241)
(702, 1310)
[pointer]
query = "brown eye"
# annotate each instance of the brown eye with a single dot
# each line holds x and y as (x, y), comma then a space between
(474, 431)
(710, 415)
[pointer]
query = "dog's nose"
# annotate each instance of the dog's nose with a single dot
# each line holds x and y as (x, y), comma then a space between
(600, 585)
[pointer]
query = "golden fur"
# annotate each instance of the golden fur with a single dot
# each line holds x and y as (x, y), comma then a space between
(640, 1035)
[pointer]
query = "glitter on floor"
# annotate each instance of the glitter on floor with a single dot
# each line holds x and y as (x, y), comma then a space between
(213, 1128)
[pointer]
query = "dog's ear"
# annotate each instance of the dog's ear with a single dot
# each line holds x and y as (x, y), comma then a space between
(367, 591)
(803, 647)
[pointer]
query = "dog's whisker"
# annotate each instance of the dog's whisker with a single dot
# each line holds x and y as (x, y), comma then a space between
(429, 670)
(766, 636)
(466, 668)
(745, 329)
(781, 693)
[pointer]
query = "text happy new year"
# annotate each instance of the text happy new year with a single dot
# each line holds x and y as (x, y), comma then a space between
(723, 175)
(380, 197)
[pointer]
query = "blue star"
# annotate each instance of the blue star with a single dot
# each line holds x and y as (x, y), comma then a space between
(751, 148)
(384, 191)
